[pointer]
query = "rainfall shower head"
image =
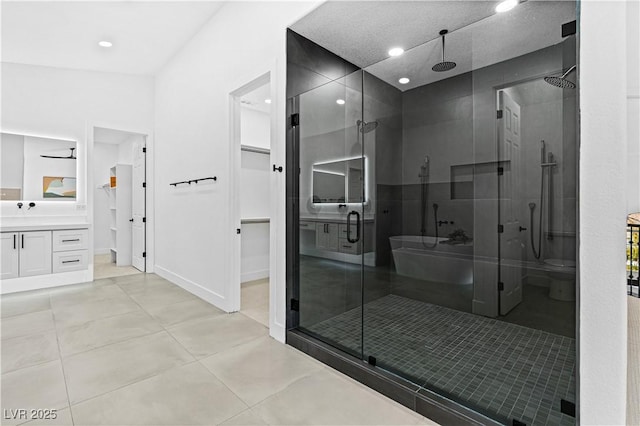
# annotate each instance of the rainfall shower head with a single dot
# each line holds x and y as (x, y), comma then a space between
(444, 65)
(366, 127)
(561, 81)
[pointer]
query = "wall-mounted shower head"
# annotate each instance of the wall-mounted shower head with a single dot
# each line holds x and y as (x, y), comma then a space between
(532, 206)
(366, 127)
(561, 81)
(444, 65)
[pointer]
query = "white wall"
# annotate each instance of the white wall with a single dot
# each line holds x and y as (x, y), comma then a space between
(62, 103)
(125, 150)
(105, 156)
(633, 105)
(255, 127)
(192, 131)
(12, 160)
(602, 340)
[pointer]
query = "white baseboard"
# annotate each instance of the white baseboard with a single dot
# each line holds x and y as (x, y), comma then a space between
(254, 275)
(196, 289)
(278, 333)
(14, 285)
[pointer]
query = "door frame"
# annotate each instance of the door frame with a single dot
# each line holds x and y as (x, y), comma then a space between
(244, 86)
(149, 239)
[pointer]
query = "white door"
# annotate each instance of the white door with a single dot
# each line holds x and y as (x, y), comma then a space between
(138, 206)
(509, 184)
(35, 253)
(9, 250)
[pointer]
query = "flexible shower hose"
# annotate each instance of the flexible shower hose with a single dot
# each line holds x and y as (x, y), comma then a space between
(532, 207)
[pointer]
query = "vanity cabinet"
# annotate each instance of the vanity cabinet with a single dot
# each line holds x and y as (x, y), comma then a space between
(25, 254)
(37, 258)
(10, 262)
(327, 236)
(70, 250)
(332, 236)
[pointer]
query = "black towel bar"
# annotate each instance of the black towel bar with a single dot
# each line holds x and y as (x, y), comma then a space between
(193, 181)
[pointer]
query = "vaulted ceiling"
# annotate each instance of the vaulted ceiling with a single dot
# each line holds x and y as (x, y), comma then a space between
(65, 34)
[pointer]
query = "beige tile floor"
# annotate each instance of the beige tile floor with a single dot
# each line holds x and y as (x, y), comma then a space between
(137, 350)
(633, 362)
(104, 268)
(254, 300)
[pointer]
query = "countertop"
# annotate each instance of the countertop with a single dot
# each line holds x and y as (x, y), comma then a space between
(334, 219)
(42, 227)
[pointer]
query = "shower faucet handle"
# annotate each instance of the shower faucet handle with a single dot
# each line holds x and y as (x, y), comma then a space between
(520, 228)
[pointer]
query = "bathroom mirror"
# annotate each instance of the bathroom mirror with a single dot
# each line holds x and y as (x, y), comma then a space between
(37, 168)
(338, 181)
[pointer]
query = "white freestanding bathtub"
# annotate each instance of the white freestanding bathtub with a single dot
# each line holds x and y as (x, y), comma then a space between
(424, 258)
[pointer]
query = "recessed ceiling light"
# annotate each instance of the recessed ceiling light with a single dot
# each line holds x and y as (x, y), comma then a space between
(404, 80)
(267, 101)
(396, 51)
(506, 5)
(340, 101)
(105, 43)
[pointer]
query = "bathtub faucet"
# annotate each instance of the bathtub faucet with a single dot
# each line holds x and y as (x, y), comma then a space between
(444, 222)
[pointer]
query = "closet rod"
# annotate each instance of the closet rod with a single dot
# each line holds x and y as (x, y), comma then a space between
(255, 220)
(255, 149)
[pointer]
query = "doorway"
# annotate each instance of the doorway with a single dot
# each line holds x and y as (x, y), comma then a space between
(251, 142)
(119, 213)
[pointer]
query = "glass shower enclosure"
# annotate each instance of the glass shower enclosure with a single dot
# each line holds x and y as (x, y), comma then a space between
(433, 222)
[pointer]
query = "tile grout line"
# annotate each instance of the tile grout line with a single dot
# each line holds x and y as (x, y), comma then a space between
(64, 374)
(196, 360)
(143, 378)
(133, 383)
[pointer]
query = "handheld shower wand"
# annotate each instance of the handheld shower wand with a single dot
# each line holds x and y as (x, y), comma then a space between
(546, 163)
(424, 194)
(532, 207)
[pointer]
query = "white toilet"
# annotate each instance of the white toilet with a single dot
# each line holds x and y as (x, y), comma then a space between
(562, 279)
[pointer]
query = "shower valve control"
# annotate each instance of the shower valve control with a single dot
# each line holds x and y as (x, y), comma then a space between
(279, 169)
(520, 228)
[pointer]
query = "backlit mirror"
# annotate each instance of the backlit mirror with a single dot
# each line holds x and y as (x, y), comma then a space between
(37, 168)
(338, 181)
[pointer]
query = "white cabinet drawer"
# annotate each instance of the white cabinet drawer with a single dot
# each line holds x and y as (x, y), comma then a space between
(347, 247)
(308, 225)
(343, 231)
(72, 239)
(67, 261)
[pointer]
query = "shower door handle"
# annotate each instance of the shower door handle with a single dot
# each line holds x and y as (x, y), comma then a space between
(357, 226)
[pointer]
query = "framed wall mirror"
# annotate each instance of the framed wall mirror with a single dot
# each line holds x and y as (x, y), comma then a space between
(339, 181)
(37, 168)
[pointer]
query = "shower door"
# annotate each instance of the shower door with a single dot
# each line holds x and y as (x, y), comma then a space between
(331, 197)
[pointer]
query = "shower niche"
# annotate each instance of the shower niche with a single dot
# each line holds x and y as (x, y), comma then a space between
(450, 178)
